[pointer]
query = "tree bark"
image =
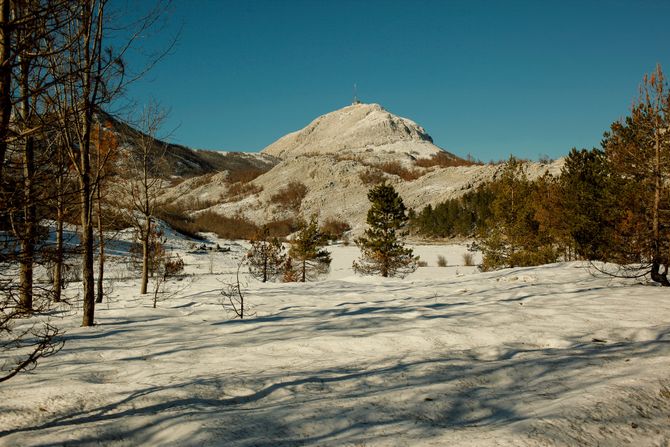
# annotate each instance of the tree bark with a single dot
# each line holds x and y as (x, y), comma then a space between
(101, 249)
(58, 262)
(5, 80)
(87, 244)
(28, 237)
(145, 256)
(90, 58)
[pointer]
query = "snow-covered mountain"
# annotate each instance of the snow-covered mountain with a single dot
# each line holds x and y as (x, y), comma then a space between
(334, 158)
(359, 129)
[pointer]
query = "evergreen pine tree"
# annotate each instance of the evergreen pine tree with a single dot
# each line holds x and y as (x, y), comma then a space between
(307, 250)
(266, 256)
(382, 251)
(513, 236)
(587, 205)
(638, 149)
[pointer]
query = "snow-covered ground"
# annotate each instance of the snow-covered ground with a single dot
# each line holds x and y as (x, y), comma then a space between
(447, 356)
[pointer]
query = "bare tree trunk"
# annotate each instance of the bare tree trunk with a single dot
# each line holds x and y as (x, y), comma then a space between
(28, 233)
(145, 255)
(91, 60)
(58, 262)
(5, 80)
(87, 243)
(101, 250)
(60, 219)
(656, 260)
(304, 270)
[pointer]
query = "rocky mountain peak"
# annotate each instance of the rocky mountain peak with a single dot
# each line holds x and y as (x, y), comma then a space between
(358, 128)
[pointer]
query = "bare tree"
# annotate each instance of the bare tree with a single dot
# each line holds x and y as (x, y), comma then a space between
(6, 63)
(234, 295)
(91, 76)
(141, 183)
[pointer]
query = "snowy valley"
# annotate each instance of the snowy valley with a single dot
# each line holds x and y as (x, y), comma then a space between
(550, 355)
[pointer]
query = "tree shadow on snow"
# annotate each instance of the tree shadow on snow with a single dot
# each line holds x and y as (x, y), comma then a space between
(416, 400)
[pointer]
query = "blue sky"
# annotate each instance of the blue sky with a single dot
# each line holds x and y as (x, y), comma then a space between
(486, 78)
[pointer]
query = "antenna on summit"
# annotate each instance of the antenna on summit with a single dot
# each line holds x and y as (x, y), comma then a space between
(356, 101)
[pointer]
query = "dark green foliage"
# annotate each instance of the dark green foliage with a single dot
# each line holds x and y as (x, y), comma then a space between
(611, 205)
(638, 149)
(308, 253)
(589, 206)
(455, 217)
(382, 251)
(266, 256)
(513, 235)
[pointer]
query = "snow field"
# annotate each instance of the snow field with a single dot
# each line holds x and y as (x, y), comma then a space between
(448, 356)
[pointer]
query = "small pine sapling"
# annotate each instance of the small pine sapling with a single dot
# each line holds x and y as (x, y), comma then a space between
(266, 256)
(307, 250)
(290, 273)
(382, 251)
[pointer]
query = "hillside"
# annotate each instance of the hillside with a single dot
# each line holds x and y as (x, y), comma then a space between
(338, 157)
(183, 161)
(336, 188)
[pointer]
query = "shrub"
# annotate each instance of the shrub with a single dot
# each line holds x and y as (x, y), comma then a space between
(176, 217)
(422, 264)
(468, 259)
(238, 191)
(226, 227)
(444, 160)
(290, 272)
(441, 261)
(396, 168)
(334, 228)
(291, 195)
(202, 180)
(245, 175)
(283, 227)
(371, 176)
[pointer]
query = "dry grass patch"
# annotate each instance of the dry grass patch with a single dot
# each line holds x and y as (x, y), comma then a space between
(444, 160)
(226, 227)
(396, 168)
(334, 228)
(240, 190)
(290, 196)
(371, 176)
(468, 259)
(245, 175)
